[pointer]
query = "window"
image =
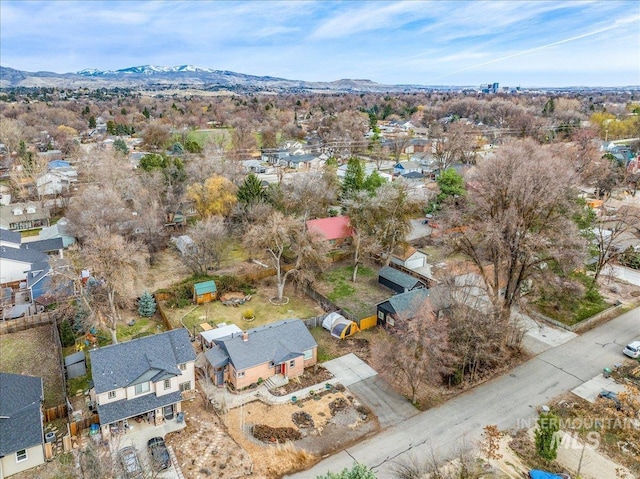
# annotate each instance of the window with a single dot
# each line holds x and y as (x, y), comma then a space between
(271, 365)
(239, 374)
(390, 320)
(142, 388)
(380, 315)
(308, 354)
(21, 455)
(167, 383)
(292, 363)
(185, 386)
(182, 366)
(112, 395)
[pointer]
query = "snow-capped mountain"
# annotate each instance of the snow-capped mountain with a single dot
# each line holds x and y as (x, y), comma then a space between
(153, 76)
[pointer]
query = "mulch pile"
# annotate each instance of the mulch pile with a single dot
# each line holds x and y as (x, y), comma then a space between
(302, 419)
(274, 435)
(338, 405)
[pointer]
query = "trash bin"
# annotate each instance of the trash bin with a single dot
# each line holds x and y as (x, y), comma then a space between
(606, 372)
(180, 417)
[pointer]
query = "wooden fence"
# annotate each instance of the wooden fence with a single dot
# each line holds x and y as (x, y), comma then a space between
(367, 323)
(165, 319)
(57, 412)
(315, 322)
(26, 322)
(76, 427)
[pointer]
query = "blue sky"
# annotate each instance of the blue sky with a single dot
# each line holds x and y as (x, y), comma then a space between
(526, 43)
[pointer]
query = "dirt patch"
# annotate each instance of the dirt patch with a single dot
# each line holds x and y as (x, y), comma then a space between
(311, 420)
(32, 353)
(204, 449)
(310, 377)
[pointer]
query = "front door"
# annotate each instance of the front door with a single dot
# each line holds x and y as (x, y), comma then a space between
(167, 412)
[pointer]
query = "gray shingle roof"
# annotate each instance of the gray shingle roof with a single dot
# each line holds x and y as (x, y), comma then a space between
(46, 246)
(10, 236)
(217, 356)
(275, 342)
(120, 365)
(116, 411)
(398, 277)
(20, 422)
(23, 255)
(405, 304)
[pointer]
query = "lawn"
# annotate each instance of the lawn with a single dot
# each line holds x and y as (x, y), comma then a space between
(357, 298)
(141, 327)
(299, 306)
(32, 353)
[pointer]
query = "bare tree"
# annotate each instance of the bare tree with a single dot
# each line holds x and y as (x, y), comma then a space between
(113, 263)
(284, 237)
(518, 220)
(309, 195)
(417, 353)
(210, 243)
(360, 210)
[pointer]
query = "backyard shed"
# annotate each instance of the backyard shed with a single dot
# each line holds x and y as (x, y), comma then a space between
(398, 281)
(339, 326)
(205, 292)
(401, 307)
(75, 365)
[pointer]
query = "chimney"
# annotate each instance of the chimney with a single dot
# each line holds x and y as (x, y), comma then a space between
(245, 336)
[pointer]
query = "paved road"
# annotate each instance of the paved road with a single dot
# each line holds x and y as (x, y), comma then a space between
(507, 401)
(627, 274)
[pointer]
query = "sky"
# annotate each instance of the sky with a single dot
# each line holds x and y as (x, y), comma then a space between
(516, 43)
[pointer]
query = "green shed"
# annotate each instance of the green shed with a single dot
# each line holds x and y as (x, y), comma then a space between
(205, 292)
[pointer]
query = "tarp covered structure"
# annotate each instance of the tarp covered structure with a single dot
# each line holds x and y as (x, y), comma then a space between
(339, 326)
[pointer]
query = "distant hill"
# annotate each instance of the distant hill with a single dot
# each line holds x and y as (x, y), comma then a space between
(150, 76)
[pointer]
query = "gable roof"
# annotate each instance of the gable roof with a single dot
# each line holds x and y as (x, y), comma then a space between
(275, 342)
(20, 420)
(23, 255)
(398, 277)
(405, 304)
(404, 252)
(335, 227)
(150, 358)
(205, 287)
(46, 245)
(407, 165)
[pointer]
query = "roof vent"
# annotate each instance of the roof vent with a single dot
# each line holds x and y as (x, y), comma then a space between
(245, 336)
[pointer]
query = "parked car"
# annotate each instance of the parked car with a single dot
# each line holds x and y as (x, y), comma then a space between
(128, 459)
(159, 453)
(632, 349)
(612, 396)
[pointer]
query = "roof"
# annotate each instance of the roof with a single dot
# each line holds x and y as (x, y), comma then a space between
(28, 256)
(118, 410)
(404, 304)
(404, 252)
(10, 236)
(220, 332)
(205, 287)
(413, 175)
(398, 277)
(20, 421)
(407, 165)
(335, 227)
(46, 245)
(58, 164)
(275, 342)
(217, 356)
(151, 357)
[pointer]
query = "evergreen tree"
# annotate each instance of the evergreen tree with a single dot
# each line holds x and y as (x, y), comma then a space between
(121, 147)
(177, 149)
(146, 305)
(451, 185)
(251, 190)
(373, 182)
(146, 113)
(92, 121)
(67, 338)
(353, 178)
(546, 438)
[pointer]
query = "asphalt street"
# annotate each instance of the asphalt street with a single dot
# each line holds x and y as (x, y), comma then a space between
(508, 401)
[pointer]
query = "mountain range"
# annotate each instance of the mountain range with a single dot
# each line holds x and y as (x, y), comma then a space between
(189, 76)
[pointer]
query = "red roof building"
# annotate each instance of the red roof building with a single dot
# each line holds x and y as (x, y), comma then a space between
(334, 229)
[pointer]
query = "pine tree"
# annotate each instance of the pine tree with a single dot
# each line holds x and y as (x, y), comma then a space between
(251, 190)
(67, 338)
(546, 438)
(354, 178)
(146, 305)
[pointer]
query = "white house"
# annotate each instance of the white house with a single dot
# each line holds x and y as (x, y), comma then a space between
(142, 380)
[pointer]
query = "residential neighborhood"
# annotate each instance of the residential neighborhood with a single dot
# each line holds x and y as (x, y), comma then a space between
(268, 278)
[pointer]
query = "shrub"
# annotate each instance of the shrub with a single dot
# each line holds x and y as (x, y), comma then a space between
(67, 338)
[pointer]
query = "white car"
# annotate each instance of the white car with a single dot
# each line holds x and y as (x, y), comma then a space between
(632, 350)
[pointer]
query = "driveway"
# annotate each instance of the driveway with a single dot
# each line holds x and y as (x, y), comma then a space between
(507, 401)
(373, 391)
